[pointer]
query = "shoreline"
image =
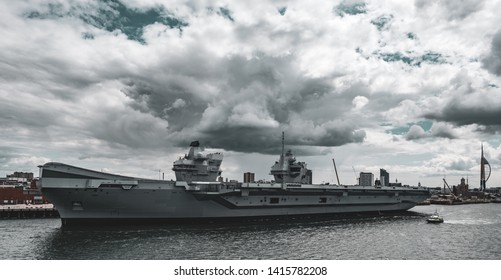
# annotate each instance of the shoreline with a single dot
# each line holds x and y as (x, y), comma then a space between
(458, 202)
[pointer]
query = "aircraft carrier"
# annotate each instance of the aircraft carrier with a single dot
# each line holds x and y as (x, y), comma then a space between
(85, 196)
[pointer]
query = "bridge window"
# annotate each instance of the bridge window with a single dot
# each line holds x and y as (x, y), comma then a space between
(322, 200)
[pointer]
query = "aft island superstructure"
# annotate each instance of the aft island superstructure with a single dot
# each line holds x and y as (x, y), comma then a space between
(85, 196)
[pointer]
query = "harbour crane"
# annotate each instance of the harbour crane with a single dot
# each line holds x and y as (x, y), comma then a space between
(357, 179)
(335, 169)
(455, 198)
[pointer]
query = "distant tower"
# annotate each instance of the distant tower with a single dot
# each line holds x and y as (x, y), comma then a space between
(384, 177)
(248, 177)
(366, 179)
(483, 163)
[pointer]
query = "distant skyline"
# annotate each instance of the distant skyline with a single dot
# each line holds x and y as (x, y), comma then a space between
(124, 86)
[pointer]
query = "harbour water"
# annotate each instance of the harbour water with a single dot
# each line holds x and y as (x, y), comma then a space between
(469, 232)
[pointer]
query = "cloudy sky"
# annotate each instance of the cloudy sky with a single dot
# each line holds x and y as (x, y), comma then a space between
(125, 85)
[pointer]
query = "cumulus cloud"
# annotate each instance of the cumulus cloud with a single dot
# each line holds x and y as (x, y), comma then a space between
(453, 9)
(443, 130)
(437, 130)
(453, 162)
(359, 102)
(250, 116)
(178, 103)
(405, 111)
(415, 132)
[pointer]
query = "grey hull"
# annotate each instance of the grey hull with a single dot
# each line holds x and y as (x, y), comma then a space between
(84, 195)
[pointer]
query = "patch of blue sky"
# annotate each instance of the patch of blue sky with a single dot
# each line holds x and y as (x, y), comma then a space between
(382, 22)
(494, 142)
(411, 36)
(282, 10)
(350, 9)
(87, 35)
(401, 130)
(112, 15)
(131, 21)
(225, 12)
(412, 59)
(53, 10)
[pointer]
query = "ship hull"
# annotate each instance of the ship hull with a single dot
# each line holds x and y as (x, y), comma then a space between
(225, 220)
(87, 197)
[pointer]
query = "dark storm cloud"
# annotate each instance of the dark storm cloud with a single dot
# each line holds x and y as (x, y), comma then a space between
(468, 101)
(128, 130)
(256, 98)
(461, 113)
(186, 92)
(268, 140)
(282, 87)
(173, 103)
(493, 60)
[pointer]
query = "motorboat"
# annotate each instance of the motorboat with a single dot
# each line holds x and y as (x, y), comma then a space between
(435, 218)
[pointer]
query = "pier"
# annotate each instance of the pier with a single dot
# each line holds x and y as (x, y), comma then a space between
(447, 200)
(22, 211)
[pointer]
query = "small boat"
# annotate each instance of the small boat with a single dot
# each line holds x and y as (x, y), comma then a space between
(435, 218)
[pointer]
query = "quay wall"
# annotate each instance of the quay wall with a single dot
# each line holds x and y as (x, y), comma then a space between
(27, 212)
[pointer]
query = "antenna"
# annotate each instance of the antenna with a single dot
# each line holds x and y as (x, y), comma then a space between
(283, 140)
(282, 160)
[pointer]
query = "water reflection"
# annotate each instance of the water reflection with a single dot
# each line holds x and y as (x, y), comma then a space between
(293, 239)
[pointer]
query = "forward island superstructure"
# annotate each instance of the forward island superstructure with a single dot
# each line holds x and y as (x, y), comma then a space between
(197, 165)
(85, 196)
